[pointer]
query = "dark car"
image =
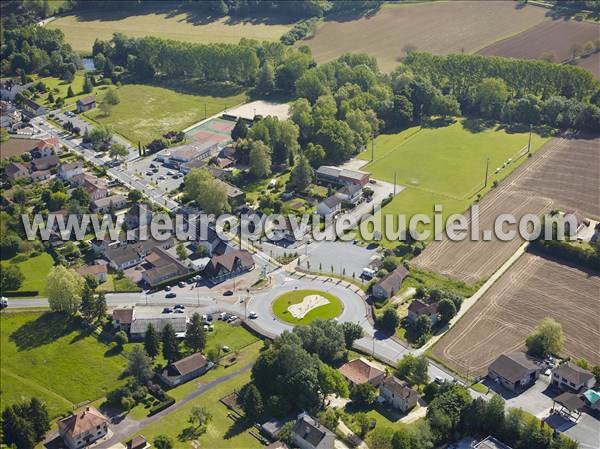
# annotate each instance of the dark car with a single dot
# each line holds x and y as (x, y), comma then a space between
(179, 306)
(228, 293)
(171, 295)
(167, 310)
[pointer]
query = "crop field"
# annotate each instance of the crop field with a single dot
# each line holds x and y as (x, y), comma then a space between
(83, 28)
(532, 289)
(565, 175)
(592, 63)
(147, 112)
(551, 37)
(443, 166)
(431, 26)
(51, 357)
(16, 147)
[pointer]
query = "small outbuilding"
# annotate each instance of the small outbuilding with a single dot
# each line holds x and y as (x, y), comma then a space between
(185, 370)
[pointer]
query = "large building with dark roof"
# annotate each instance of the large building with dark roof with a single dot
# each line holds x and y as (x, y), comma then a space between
(309, 434)
(514, 371)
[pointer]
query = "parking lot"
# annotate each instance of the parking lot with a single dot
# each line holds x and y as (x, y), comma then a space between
(341, 255)
(160, 177)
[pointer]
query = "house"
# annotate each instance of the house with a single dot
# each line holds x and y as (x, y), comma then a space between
(125, 256)
(186, 369)
(350, 193)
(163, 267)
(203, 150)
(390, 284)
(285, 230)
(68, 171)
(46, 147)
(139, 214)
(211, 242)
(139, 326)
(86, 103)
(329, 206)
(139, 442)
(44, 163)
(398, 394)
(9, 88)
(99, 272)
(32, 108)
(491, 443)
(571, 377)
(109, 203)
(360, 371)
(16, 170)
(122, 319)
(9, 115)
(83, 428)
(309, 434)
(228, 265)
(350, 177)
(341, 176)
(418, 307)
(328, 175)
(514, 371)
(235, 196)
(96, 187)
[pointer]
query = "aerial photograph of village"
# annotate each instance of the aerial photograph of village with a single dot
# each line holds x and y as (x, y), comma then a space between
(300, 224)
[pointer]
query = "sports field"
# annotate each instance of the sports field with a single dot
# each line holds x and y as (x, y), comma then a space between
(82, 29)
(326, 311)
(215, 130)
(147, 112)
(50, 356)
(436, 27)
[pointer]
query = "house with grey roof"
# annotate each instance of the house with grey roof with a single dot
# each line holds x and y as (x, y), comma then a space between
(329, 206)
(308, 433)
(571, 377)
(515, 371)
(139, 326)
(398, 394)
(186, 369)
(390, 284)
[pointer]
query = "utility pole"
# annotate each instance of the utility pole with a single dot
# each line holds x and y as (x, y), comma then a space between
(529, 143)
(487, 163)
(394, 183)
(372, 146)
(204, 110)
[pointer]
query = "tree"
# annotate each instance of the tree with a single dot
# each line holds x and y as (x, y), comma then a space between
(390, 320)
(547, 338)
(39, 418)
(105, 107)
(170, 344)
(260, 160)
(163, 442)
(195, 337)
(413, 369)
(331, 381)
(329, 418)
(181, 251)
(199, 418)
(363, 395)
(491, 95)
(446, 309)
(121, 339)
(25, 423)
(117, 150)
(64, 287)
(266, 79)
(100, 307)
(152, 341)
(87, 85)
(139, 365)
(9, 245)
(51, 97)
(315, 155)
(239, 131)
(422, 327)
(252, 403)
(302, 174)
(135, 196)
(87, 306)
(11, 278)
(203, 188)
(112, 97)
(352, 332)
(70, 92)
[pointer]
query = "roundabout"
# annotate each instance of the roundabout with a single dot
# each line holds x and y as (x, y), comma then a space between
(305, 306)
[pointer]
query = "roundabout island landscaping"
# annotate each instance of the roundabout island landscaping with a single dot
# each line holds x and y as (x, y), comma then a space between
(305, 306)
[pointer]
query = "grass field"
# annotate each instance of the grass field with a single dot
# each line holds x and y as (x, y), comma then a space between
(147, 112)
(444, 165)
(35, 269)
(82, 29)
(113, 284)
(435, 27)
(48, 356)
(77, 85)
(325, 312)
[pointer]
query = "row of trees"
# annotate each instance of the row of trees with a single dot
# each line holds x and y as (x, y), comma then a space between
(24, 424)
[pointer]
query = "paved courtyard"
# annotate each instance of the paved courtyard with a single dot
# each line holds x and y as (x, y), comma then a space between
(341, 255)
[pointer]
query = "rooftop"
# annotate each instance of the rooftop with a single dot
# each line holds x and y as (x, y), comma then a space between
(393, 281)
(573, 373)
(359, 371)
(399, 387)
(82, 421)
(513, 366)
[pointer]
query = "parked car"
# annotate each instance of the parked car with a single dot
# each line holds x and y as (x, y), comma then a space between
(167, 310)
(179, 306)
(3, 303)
(227, 293)
(232, 318)
(209, 318)
(179, 311)
(253, 315)
(171, 295)
(226, 349)
(168, 288)
(181, 284)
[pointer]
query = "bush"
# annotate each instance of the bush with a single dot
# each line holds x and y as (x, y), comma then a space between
(161, 406)
(299, 31)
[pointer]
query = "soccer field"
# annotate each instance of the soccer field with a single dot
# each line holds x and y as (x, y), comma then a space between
(448, 161)
(443, 166)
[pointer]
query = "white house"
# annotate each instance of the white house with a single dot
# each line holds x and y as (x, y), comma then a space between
(350, 193)
(83, 428)
(398, 394)
(67, 171)
(329, 206)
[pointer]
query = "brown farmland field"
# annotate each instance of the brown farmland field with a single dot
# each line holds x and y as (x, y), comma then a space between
(436, 27)
(565, 174)
(555, 37)
(592, 63)
(532, 289)
(16, 147)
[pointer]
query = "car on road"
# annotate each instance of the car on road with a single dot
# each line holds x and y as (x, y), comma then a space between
(179, 306)
(167, 310)
(149, 173)
(227, 293)
(181, 284)
(168, 288)
(438, 380)
(152, 165)
(3, 303)
(171, 295)
(253, 315)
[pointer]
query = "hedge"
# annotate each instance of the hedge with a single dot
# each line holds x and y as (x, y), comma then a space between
(168, 402)
(568, 252)
(21, 293)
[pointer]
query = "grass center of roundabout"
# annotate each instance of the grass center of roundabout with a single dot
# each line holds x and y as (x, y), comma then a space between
(305, 306)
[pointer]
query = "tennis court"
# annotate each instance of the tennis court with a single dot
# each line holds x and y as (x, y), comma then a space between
(215, 130)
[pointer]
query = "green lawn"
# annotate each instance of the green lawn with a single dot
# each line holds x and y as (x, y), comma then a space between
(222, 432)
(118, 285)
(49, 356)
(77, 85)
(327, 311)
(35, 269)
(444, 165)
(236, 337)
(82, 29)
(145, 112)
